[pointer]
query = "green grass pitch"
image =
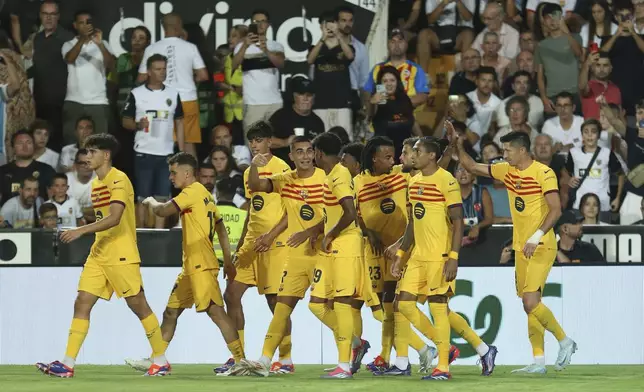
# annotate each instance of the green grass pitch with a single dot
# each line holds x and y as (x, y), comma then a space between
(188, 378)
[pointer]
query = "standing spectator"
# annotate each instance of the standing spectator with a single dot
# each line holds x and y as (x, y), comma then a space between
(13, 173)
(184, 67)
(593, 176)
(521, 87)
(297, 119)
(491, 57)
(49, 71)
(221, 136)
(233, 97)
(493, 17)
(48, 216)
(544, 153)
(571, 248)
(79, 181)
(565, 128)
(413, 78)
(516, 109)
(599, 88)
(85, 126)
(24, 21)
(21, 211)
(557, 58)
(485, 102)
(589, 208)
(207, 176)
(70, 213)
(566, 8)
(331, 58)
(451, 28)
(524, 63)
(41, 130)
(465, 81)
(394, 112)
(154, 111)
(626, 51)
(599, 26)
(88, 58)
(478, 211)
(260, 60)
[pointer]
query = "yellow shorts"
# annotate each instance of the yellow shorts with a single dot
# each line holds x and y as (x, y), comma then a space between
(369, 295)
(530, 274)
(322, 286)
(199, 289)
(104, 280)
(348, 276)
(379, 270)
(191, 122)
(425, 278)
(270, 266)
(247, 260)
(297, 276)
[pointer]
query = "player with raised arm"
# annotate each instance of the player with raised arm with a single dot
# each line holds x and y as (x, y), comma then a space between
(113, 265)
(197, 283)
(302, 191)
(535, 208)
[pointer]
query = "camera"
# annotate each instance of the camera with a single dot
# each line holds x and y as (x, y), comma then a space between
(470, 221)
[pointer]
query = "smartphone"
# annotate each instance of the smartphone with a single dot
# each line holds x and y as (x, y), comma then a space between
(641, 124)
(453, 99)
(381, 89)
(252, 28)
(594, 47)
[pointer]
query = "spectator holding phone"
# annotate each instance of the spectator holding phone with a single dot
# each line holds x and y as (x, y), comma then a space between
(478, 211)
(598, 27)
(599, 89)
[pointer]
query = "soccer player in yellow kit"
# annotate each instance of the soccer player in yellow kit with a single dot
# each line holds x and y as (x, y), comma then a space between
(261, 252)
(535, 207)
(197, 283)
(113, 265)
(302, 191)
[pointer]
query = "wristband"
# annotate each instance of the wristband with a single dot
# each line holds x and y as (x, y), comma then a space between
(536, 237)
(453, 255)
(400, 253)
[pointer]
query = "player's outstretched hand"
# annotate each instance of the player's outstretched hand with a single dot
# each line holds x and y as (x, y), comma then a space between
(70, 235)
(377, 247)
(229, 271)
(297, 239)
(263, 243)
(528, 249)
(395, 267)
(260, 160)
(450, 269)
(326, 243)
(148, 200)
(390, 252)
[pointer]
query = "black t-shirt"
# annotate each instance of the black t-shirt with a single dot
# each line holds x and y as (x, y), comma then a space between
(285, 120)
(11, 176)
(50, 69)
(395, 120)
(635, 156)
(332, 79)
(557, 164)
(583, 252)
(628, 68)
(460, 85)
(399, 12)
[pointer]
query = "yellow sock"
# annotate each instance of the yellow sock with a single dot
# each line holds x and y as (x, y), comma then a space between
(536, 333)
(325, 315)
(285, 347)
(276, 329)
(240, 332)
(153, 332)
(77, 334)
(387, 330)
(236, 350)
(418, 320)
(378, 314)
(402, 330)
(344, 315)
(548, 320)
(357, 322)
(463, 329)
(441, 323)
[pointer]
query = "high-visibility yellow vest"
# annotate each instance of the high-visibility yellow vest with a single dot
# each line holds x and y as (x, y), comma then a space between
(233, 102)
(234, 219)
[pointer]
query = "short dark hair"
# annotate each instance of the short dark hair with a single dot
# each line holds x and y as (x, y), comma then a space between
(81, 151)
(341, 133)
(517, 139)
(260, 129)
(51, 2)
(491, 143)
(103, 142)
(551, 8)
(59, 176)
(639, 104)
(299, 139)
(520, 100)
(328, 16)
(370, 149)
(39, 123)
(329, 143)
(260, 11)
(592, 121)
(184, 158)
(410, 141)
(85, 118)
(565, 95)
(460, 127)
(154, 58)
(145, 31)
(47, 207)
(226, 189)
(623, 5)
(27, 179)
(353, 149)
(18, 133)
(486, 71)
(522, 73)
(81, 12)
(207, 166)
(605, 55)
(431, 144)
(343, 8)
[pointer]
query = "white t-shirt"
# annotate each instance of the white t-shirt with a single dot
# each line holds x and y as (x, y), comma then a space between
(484, 111)
(67, 156)
(86, 77)
(183, 60)
(68, 211)
(79, 191)
(260, 78)
(572, 136)
(566, 5)
(508, 38)
(584, 34)
(535, 116)
(448, 17)
(598, 180)
(18, 216)
(242, 156)
(49, 157)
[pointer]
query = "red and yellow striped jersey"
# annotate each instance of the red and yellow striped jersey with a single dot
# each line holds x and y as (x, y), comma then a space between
(337, 187)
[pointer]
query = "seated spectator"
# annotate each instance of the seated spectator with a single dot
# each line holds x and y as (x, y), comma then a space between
(491, 57)
(48, 216)
(341, 133)
(524, 63)
(461, 110)
(491, 154)
(557, 59)
(493, 16)
(599, 89)
(84, 128)
(79, 180)
(595, 177)
(571, 249)
(24, 166)
(565, 128)
(589, 207)
(521, 86)
(599, 26)
(393, 111)
(641, 221)
(485, 102)
(478, 211)
(526, 41)
(297, 118)
(517, 109)
(222, 136)
(351, 157)
(70, 213)
(455, 130)
(224, 164)
(207, 176)
(543, 148)
(40, 129)
(465, 81)
(21, 212)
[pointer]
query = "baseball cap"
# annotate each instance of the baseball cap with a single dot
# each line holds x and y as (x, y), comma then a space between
(396, 32)
(567, 217)
(302, 85)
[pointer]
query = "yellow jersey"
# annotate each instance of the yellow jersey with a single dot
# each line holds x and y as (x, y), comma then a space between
(233, 221)
(528, 207)
(303, 199)
(337, 187)
(266, 209)
(382, 203)
(431, 197)
(199, 216)
(116, 245)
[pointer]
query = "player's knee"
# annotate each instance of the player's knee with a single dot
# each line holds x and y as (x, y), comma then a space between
(171, 315)
(529, 303)
(407, 308)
